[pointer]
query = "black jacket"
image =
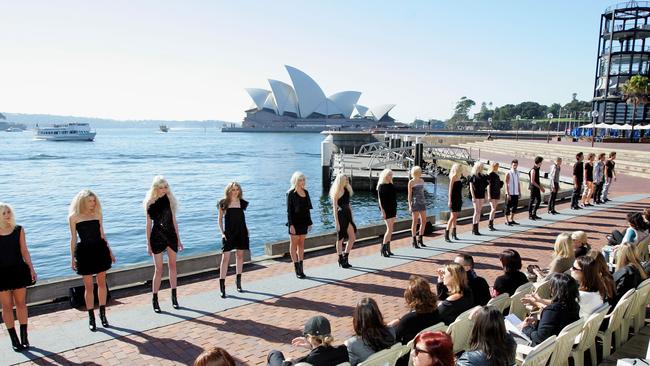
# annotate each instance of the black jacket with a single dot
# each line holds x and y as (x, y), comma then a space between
(450, 310)
(553, 319)
(625, 279)
(325, 356)
(478, 285)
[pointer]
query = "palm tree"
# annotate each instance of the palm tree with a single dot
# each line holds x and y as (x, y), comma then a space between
(636, 92)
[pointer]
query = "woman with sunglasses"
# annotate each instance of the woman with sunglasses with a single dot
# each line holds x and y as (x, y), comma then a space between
(592, 288)
(433, 349)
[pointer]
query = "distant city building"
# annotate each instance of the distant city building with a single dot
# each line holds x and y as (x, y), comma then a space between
(623, 51)
(304, 105)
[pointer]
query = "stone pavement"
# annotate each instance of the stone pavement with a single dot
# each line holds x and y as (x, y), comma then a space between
(275, 305)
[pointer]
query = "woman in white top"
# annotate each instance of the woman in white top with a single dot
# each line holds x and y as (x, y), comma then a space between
(592, 289)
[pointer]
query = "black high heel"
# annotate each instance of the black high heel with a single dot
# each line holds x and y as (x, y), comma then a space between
(24, 341)
(91, 320)
(156, 305)
(15, 343)
(302, 270)
(175, 299)
(388, 249)
(222, 287)
(238, 281)
(447, 236)
(341, 260)
(453, 234)
(415, 243)
(383, 251)
(346, 263)
(421, 241)
(102, 316)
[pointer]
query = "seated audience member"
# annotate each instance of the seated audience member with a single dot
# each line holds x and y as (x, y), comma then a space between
(629, 272)
(512, 276)
(590, 285)
(318, 338)
(605, 274)
(636, 231)
(423, 310)
(562, 259)
(562, 311)
(433, 349)
(646, 217)
(489, 343)
(478, 285)
(214, 357)
(459, 297)
(371, 333)
(580, 245)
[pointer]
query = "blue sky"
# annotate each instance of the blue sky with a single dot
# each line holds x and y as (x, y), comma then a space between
(192, 59)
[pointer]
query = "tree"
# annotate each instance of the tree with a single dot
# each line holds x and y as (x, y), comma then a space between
(635, 92)
(461, 111)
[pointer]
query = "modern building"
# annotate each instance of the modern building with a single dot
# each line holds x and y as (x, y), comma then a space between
(302, 105)
(623, 51)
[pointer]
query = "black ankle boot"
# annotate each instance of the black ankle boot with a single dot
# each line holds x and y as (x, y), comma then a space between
(302, 270)
(222, 287)
(238, 282)
(346, 262)
(296, 267)
(383, 251)
(475, 229)
(341, 260)
(453, 234)
(102, 316)
(154, 302)
(175, 299)
(388, 249)
(24, 341)
(491, 225)
(15, 343)
(447, 236)
(91, 320)
(421, 241)
(415, 243)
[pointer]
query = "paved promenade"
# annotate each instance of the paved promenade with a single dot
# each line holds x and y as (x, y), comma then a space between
(275, 305)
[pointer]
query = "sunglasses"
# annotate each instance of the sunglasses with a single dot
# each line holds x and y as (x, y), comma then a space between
(417, 351)
(576, 269)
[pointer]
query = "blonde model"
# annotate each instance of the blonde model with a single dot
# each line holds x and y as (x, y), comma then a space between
(346, 229)
(162, 236)
(16, 273)
(477, 185)
(417, 206)
(455, 202)
(234, 233)
(589, 179)
(387, 198)
(298, 220)
(91, 255)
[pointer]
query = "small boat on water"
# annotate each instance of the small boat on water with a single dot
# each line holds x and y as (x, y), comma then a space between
(66, 132)
(14, 129)
(164, 128)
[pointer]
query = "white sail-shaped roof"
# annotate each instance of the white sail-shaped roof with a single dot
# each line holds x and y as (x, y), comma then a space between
(259, 96)
(270, 103)
(310, 95)
(328, 108)
(360, 110)
(285, 97)
(345, 101)
(378, 112)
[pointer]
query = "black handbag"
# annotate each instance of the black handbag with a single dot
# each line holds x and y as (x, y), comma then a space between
(77, 299)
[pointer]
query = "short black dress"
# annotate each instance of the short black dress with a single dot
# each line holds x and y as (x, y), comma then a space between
(234, 227)
(163, 233)
(478, 182)
(14, 272)
(456, 196)
(589, 168)
(91, 253)
(388, 198)
(344, 215)
(298, 212)
(495, 185)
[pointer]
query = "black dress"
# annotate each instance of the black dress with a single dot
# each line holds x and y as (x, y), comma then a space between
(344, 215)
(163, 232)
(449, 310)
(235, 227)
(91, 253)
(456, 196)
(298, 212)
(589, 168)
(495, 185)
(509, 282)
(388, 198)
(478, 182)
(14, 272)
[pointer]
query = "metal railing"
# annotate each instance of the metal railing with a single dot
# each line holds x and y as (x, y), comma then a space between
(628, 5)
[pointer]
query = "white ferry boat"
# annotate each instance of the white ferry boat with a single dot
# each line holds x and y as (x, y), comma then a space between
(66, 132)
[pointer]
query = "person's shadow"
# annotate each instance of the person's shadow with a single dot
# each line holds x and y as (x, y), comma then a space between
(42, 357)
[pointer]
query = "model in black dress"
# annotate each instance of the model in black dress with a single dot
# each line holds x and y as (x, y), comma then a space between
(234, 233)
(455, 200)
(387, 198)
(494, 192)
(589, 180)
(298, 220)
(91, 255)
(477, 184)
(345, 226)
(162, 236)
(16, 273)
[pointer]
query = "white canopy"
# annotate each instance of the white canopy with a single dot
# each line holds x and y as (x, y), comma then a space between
(590, 125)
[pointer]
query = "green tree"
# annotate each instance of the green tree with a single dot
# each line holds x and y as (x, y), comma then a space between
(461, 111)
(635, 92)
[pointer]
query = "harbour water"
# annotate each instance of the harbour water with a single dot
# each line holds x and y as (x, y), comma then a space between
(40, 178)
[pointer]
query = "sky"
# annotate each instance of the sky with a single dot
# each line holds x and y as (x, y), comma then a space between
(192, 60)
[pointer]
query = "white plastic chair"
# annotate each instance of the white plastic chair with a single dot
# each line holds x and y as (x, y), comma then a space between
(642, 302)
(500, 302)
(387, 357)
(465, 314)
(614, 326)
(543, 289)
(587, 338)
(629, 318)
(564, 343)
(535, 356)
(516, 306)
(460, 331)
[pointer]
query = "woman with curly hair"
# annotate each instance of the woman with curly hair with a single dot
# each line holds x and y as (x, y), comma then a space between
(423, 310)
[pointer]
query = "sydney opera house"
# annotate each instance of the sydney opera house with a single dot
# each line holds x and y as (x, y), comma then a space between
(303, 106)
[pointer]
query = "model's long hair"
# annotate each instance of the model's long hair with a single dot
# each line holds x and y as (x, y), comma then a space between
(459, 278)
(340, 183)
(369, 325)
(225, 202)
(564, 290)
(12, 217)
(477, 168)
(295, 177)
(152, 194)
(489, 335)
(563, 246)
(455, 172)
(383, 177)
(214, 356)
(603, 270)
(626, 255)
(591, 280)
(419, 297)
(78, 204)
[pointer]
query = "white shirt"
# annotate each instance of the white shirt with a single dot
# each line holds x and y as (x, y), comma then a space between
(589, 301)
(513, 183)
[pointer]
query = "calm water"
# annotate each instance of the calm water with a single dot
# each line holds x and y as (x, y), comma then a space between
(40, 178)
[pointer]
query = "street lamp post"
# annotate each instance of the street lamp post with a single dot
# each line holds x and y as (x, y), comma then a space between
(548, 130)
(594, 119)
(517, 118)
